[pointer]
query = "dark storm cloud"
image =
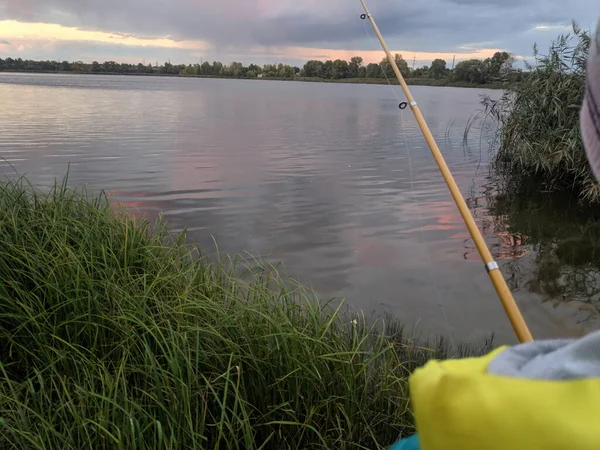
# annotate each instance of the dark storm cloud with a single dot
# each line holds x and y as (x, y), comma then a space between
(435, 25)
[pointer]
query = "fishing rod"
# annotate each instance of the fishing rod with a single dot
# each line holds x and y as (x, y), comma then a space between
(491, 266)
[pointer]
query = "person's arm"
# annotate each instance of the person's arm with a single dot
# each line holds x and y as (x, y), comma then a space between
(535, 396)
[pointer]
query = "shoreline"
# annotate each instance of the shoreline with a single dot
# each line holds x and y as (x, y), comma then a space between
(433, 82)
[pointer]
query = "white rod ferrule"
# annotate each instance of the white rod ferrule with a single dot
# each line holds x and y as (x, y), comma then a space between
(491, 266)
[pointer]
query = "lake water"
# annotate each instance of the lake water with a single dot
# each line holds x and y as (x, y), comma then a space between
(331, 179)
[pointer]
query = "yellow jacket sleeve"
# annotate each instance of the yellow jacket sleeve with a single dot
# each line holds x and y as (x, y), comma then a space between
(459, 406)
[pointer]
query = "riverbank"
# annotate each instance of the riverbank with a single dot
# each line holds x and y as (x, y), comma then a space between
(437, 82)
(116, 333)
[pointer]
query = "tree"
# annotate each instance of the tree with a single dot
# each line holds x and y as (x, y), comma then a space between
(280, 70)
(340, 69)
(166, 68)
(327, 69)
(66, 66)
(471, 70)
(217, 68)
(236, 69)
(421, 72)
(373, 71)
(190, 70)
(270, 70)
(255, 69)
(438, 68)
(225, 71)
(507, 66)
(400, 62)
(496, 63)
(313, 68)
(206, 68)
(285, 71)
(355, 66)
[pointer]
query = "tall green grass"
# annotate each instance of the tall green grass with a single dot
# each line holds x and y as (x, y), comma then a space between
(539, 135)
(115, 333)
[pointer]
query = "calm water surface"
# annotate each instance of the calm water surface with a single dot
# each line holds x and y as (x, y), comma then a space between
(333, 180)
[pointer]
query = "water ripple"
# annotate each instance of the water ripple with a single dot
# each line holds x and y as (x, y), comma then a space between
(315, 175)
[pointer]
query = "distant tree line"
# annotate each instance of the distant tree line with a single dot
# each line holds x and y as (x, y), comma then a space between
(473, 70)
(235, 69)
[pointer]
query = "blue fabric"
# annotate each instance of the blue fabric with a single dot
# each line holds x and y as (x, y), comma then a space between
(411, 443)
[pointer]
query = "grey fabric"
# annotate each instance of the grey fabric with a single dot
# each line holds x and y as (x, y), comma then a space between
(564, 359)
(590, 112)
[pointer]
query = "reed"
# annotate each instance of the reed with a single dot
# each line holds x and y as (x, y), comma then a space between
(539, 135)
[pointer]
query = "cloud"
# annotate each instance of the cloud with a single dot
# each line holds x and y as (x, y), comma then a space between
(40, 31)
(231, 27)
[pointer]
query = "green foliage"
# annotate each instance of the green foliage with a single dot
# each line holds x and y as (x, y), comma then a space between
(323, 70)
(420, 72)
(234, 70)
(471, 70)
(539, 119)
(486, 71)
(217, 68)
(499, 64)
(340, 69)
(355, 67)
(191, 70)
(312, 68)
(327, 69)
(373, 71)
(438, 68)
(400, 62)
(116, 334)
(206, 68)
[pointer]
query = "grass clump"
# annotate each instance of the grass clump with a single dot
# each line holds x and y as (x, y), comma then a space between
(117, 334)
(539, 134)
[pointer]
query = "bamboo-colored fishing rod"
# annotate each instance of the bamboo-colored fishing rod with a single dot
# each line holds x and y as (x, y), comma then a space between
(508, 302)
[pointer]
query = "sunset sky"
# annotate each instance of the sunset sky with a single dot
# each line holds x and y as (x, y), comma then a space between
(290, 31)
